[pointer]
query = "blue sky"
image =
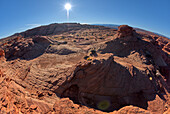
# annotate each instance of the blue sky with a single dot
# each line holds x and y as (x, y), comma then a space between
(20, 15)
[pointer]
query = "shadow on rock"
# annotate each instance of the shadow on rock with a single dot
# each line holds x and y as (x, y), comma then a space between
(107, 85)
(26, 48)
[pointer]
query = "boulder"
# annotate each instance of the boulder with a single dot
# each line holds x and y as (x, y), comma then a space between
(126, 33)
(125, 30)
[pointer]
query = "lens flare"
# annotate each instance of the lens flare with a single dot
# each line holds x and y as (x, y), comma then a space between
(68, 8)
(103, 105)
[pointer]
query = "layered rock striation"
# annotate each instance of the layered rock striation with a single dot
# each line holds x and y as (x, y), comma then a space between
(110, 72)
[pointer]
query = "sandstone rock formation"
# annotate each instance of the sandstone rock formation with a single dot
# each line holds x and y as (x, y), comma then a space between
(91, 85)
(113, 71)
(2, 53)
(112, 78)
(26, 48)
(132, 110)
(125, 30)
(56, 28)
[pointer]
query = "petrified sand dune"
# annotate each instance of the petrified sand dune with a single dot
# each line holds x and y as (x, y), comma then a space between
(118, 71)
(126, 77)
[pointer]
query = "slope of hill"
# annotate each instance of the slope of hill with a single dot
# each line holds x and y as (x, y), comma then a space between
(98, 68)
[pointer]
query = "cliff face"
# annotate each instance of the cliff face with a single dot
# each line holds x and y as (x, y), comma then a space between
(56, 28)
(93, 66)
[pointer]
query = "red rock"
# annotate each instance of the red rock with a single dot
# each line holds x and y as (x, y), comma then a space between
(2, 53)
(132, 110)
(167, 112)
(165, 71)
(167, 48)
(125, 30)
(1, 74)
(65, 106)
(33, 107)
(126, 33)
(94, 85)
(27, 48)
(122, 73)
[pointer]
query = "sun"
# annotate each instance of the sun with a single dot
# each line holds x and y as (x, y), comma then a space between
(68, 6)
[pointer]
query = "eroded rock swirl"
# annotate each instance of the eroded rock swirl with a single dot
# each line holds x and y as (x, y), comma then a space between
(74, 68)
